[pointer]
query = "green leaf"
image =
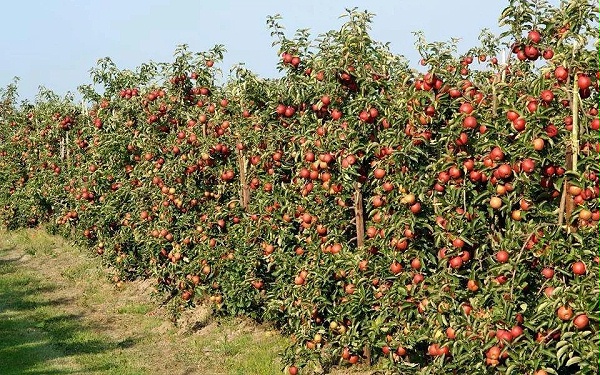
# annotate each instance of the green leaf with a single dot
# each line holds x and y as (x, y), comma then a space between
(573, 361)
(561, 352)
(560, 344)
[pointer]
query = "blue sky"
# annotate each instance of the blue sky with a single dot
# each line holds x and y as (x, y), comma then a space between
(54, 43)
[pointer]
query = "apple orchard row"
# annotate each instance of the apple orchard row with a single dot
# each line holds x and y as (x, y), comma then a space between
(425, 221)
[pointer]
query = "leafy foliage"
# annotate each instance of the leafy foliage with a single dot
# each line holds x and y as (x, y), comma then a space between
(433, 222)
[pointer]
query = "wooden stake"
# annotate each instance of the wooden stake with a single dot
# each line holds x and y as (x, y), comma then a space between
(359, 216)
(62, 148)
(575, 131)
(244, 192)
(563, 201)
(67, 146)
(567, 205)
(572, 155)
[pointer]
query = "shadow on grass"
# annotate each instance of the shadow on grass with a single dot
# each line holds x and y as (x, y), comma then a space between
(35, 336)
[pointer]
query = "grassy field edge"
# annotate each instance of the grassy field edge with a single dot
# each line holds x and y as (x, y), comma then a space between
(59, 314)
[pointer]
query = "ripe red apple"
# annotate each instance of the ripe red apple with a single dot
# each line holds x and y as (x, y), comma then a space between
(534, 36)
(470, 122)
(502, 256)
(466, 108)
(581, 321)
(547, 96)
(456, 262)
(578, 268)
(584, 82)
(548, 54)
(528, 165)
(548, 273)
(561, 73)
(564, 313)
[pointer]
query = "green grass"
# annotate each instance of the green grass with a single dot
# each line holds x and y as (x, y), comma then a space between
(39, 338)
(60, 315)
(28, 327)
(134, 308)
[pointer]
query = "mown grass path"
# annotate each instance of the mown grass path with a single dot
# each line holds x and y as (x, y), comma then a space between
(60, 315)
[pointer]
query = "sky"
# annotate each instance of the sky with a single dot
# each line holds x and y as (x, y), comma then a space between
(54, 43)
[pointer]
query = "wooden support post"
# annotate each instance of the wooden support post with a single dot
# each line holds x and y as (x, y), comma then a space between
(244, 192)
(359, 216)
